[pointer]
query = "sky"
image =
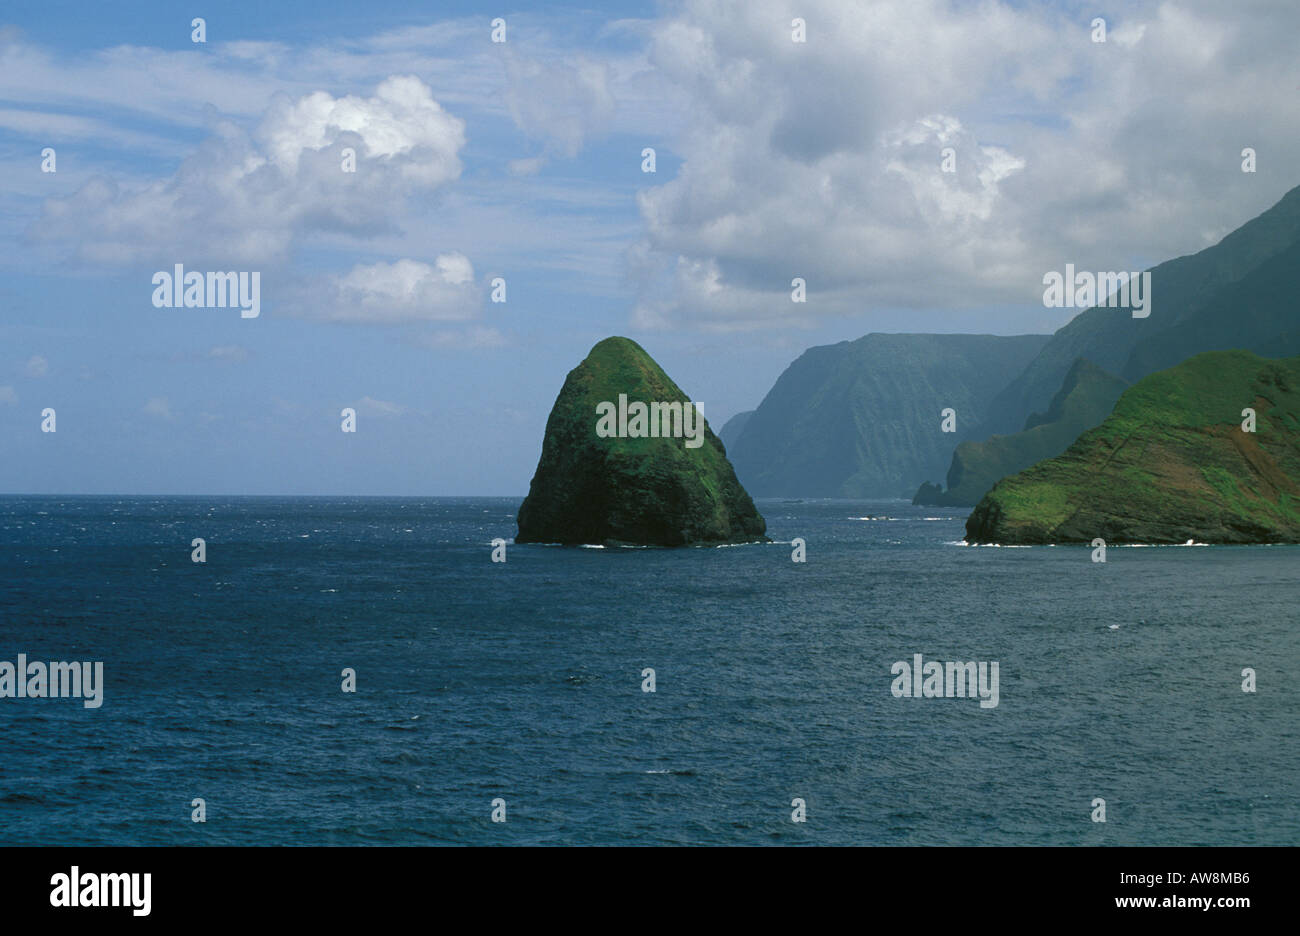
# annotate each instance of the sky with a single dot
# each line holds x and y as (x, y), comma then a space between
(522, 161)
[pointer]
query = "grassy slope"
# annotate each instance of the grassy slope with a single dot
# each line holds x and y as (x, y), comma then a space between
(1235, 294)
(1170, 464)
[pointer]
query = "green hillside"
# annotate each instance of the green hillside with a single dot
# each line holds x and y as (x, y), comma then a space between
(1169, 465)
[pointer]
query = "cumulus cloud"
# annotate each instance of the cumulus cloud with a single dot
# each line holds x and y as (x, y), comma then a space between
(247, 197)
(776, 159)
(823, 159)
(393, 293)
(401, 127)
(36, 366)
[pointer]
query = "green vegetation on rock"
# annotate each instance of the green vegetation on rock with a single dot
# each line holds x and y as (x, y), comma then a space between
(1170, 464)
(636, 491)
(1237, 294)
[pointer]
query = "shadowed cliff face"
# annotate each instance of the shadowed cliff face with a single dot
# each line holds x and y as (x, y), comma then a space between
(1172, 463)
(1238, 294)
(1084, 400)
(864, 418)
(1235, 294)
(734, 426)
(651, 491)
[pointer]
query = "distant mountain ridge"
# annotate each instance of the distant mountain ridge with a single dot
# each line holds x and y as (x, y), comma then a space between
(733, 427)
(863, 418)
(1240, 293)
(856, 419)
(1188, 293)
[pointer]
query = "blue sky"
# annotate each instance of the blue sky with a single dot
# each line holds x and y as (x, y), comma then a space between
(523, 160)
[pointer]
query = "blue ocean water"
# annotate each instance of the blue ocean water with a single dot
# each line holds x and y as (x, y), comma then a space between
(523, 681)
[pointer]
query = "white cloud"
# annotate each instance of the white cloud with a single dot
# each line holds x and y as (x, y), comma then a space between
(561, 104)
(248, 198)
(208, 214)
(816, 159)
(8, 396)
(159, 407)
(393, 293)
(50, 127)
(822, 159)
(36, 366)
(401, 120)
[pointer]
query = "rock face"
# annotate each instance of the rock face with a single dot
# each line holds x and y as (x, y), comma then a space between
(733, 427)
(625, 490)
(1084, 400)
(1172, 463)
(863, 418)
(1238, 293)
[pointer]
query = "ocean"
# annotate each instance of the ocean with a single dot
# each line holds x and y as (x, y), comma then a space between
(522, 682)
